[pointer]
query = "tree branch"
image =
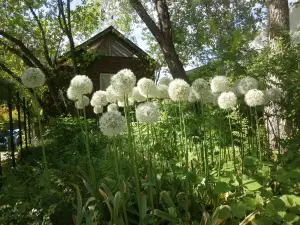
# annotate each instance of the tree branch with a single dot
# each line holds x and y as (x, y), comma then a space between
(25, 50)
(141, 11)
(46, 50)
(164, 18)
(18, 53)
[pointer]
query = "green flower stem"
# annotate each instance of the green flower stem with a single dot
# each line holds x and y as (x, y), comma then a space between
(183, 132)
(204, 150)
(120, 183)
(258, 135)
(252, 140)
(132, 155)
(91, 167)
(42, 140)
(232, 144)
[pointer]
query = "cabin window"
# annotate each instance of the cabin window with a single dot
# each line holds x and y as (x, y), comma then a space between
(105, 80)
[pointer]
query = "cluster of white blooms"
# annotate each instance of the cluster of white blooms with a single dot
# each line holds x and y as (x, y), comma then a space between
(99, 99)
(112, 107)
(200, 88)
(162, 91)
(98, 109)
(147, 113)
(273, 95)
(179, 90)
(73, 94)
(227, 100)
(82, 102)
(219, 84)
(164, 80)
(246, 84)
(112, 123)
(147, 87)
(254, 98)
(207, 97)
(82, 84)
(136, 95)
(121, 102)
(33, 77)
(110, 94)
(123, 82)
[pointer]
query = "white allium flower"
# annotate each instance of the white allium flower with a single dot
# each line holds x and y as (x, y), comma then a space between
(246, 84)
(98, 109)
(164, 80)
(112, 123)
(147, 87)
(112, 107)
(83, 102)
(192, 97)
(110, 94)
(200, 87)
(136, 95)
(123, 82)
(273, 94)
(33, 77)
(73, 94)
(179, 90)
(147, 113)
(83, 84)
(219, 84)
(99, 99)
(162, 91)
(227, 100)
(254, 97)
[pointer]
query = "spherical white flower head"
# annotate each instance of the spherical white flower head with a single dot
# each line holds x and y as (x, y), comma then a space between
(179, 90)
(83, 84)
(207, 97)
(123, 82)
(227, 100)
(273, 94)
(112, 123)
(254, 97)
(162, 91)
(98, 109)
(83, 102)
(147, 113)
(73, 94)
(110, 94)
(164, 80)
(246, 84)
(136, 95)
(200, 87)
(112, 107)
(99, 99)
(219, 84)
(192, 97)
(147, 87)
(33, 77)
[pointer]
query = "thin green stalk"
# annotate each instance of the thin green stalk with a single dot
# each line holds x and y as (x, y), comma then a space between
(252, 141)
(150, 175)
(116, 155)
(232, 144)
(183, 132)
(258, 135)
(203, 151)
(91, 167)
(132, 155)
(42, 140)
(220, 144)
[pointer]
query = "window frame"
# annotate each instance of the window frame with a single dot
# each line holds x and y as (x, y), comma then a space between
(104, 74)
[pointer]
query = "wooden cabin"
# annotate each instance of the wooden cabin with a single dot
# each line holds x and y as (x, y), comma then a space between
(110, 52)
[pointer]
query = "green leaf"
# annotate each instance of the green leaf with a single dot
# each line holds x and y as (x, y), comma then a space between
(221, 187)
(166, 197)
(251, 185)
(164, 215)
(225, 213)
(290, 218)
(117, 204)
(263, 221)
(279, 204)
(238, 209)
(288, 200)
(249, 203)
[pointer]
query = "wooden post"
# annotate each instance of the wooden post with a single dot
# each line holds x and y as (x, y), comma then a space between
(25, 126)
(19, 121)
(29, 123)
(12, 147)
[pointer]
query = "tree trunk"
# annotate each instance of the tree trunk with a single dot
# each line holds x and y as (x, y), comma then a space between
(162, 34)
(278, 127)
